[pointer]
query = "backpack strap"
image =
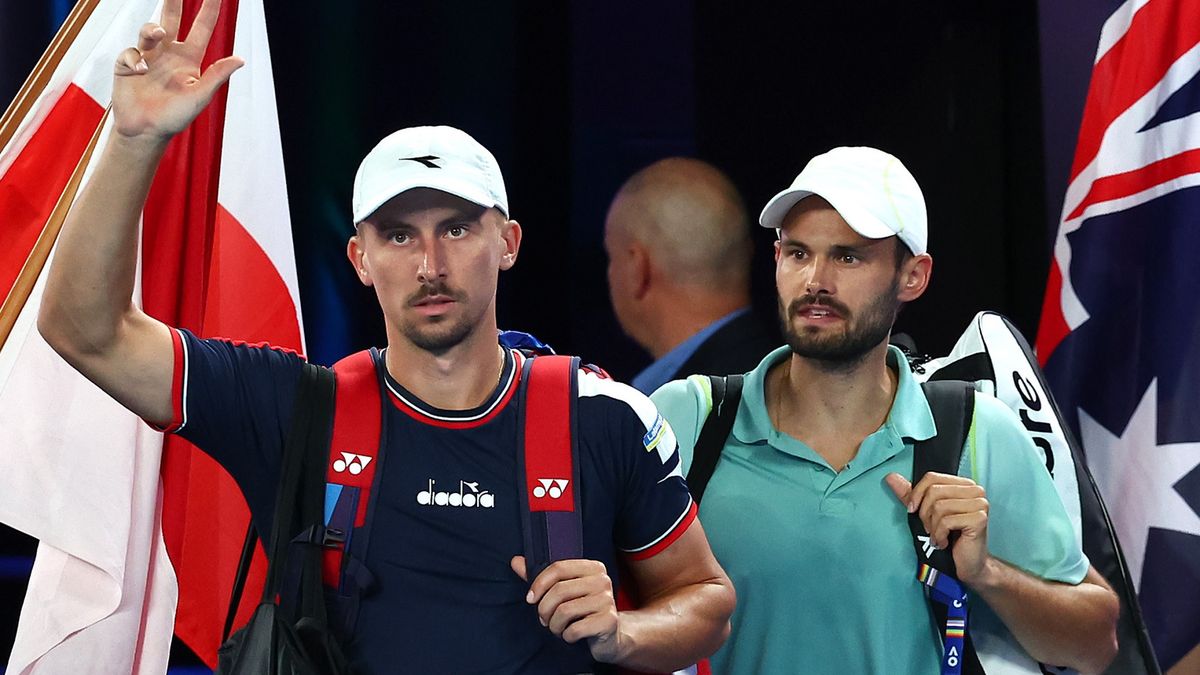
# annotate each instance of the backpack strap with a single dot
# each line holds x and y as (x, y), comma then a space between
(548, 469)
(306, 437)
(353, 458)
(348, 475)
(953, 406)
(726, 394)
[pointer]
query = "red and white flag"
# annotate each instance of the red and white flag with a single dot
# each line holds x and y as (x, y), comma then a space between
(108, 498)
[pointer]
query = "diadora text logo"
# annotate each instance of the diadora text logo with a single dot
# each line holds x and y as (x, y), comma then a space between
(469, 496)
(351, 462)
(550, 487)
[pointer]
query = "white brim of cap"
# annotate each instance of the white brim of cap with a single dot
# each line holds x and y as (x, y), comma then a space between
(859, 219)
(448, 183)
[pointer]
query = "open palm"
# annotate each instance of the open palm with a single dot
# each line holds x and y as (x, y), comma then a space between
(158, 88)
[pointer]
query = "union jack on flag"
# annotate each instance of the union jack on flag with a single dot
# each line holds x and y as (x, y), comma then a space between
(1120, 330)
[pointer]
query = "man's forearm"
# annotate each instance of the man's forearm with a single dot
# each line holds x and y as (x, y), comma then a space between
(677, 629)
(1058, 624)
(90, 285)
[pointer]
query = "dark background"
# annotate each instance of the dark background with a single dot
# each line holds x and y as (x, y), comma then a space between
(980, 100)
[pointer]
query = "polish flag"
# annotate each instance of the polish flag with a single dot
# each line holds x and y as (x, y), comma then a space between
(112, 502)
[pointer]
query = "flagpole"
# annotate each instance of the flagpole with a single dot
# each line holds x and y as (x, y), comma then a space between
(32, 269)
(46, 65)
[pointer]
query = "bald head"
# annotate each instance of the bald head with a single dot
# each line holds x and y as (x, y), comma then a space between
(691, 221)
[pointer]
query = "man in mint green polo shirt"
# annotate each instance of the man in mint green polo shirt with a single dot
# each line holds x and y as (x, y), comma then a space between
(807, 509)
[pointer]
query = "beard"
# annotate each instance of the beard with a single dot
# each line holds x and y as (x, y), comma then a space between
(438, 335)
(861, 334)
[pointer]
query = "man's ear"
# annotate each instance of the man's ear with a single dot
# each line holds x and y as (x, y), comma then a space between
(640, 269)
(914, 277)
(358, 259)
(510, 232)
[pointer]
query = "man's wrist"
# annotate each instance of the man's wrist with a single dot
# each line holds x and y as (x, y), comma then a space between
(618, 649)
(989, 578)
(145, 146)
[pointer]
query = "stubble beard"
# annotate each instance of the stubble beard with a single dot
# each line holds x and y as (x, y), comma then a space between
(441, 334)
(844, 350)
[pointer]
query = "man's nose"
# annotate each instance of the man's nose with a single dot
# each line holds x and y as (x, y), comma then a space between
(819, 278)
(432, 262)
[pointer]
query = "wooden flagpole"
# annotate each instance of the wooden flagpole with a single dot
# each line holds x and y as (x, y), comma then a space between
(17, 111)
(18, 295)
(36, 83)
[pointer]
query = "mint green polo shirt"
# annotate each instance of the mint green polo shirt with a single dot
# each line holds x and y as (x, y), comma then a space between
(823, 561)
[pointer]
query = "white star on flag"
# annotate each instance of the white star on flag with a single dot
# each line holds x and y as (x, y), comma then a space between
(1136, 476)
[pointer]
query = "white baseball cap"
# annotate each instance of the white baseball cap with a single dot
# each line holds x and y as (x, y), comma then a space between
(442, 158)
(869, 188)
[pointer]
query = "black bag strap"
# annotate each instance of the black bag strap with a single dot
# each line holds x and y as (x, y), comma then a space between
(302, 461)
(239, 580)
(313, 447)
(726, 394)
(953, 406)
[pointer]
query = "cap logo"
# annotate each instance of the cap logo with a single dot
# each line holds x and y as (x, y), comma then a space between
(427, 160)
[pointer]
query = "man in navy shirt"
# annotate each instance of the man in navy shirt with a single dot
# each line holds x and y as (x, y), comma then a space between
(679, 249)
(452, 593)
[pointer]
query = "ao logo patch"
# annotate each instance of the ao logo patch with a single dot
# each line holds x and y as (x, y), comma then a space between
(550, 487)
(351, 462)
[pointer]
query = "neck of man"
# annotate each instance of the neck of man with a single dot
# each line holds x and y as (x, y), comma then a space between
(675, 315)
(832, 409)
(461, 378)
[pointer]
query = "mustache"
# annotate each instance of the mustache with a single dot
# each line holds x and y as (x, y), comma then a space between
(805, 301)
(432, 289)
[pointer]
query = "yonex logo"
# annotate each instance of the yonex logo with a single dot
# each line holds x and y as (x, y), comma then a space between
(468, 496)
(550, 487)
(351, 462)
(427, 160)
(926, 545)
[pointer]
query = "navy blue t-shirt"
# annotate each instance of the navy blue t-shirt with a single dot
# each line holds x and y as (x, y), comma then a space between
(445, 599)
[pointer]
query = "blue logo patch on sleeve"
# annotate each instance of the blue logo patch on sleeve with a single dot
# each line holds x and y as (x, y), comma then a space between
(655, 434)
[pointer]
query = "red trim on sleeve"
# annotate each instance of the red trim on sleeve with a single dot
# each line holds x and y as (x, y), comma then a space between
(176, 422)
(668, 539)
(259, 345)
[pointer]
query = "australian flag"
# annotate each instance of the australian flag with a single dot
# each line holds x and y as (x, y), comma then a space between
(1120, 330)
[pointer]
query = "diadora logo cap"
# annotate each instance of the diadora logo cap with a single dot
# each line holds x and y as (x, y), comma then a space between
(869, 188)
(441, 158)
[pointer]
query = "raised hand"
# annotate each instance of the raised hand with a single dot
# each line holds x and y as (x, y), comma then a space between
(158, 88)
(575, 601)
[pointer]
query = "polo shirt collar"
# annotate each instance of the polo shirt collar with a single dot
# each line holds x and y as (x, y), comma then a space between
(909, 419)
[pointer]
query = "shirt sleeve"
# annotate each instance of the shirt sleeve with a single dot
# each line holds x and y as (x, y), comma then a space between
(655, 505)
(1028, 525)
(234, 400)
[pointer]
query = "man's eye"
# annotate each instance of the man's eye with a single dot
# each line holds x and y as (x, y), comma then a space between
(456, 231)
(399, 238)
(849, 259)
